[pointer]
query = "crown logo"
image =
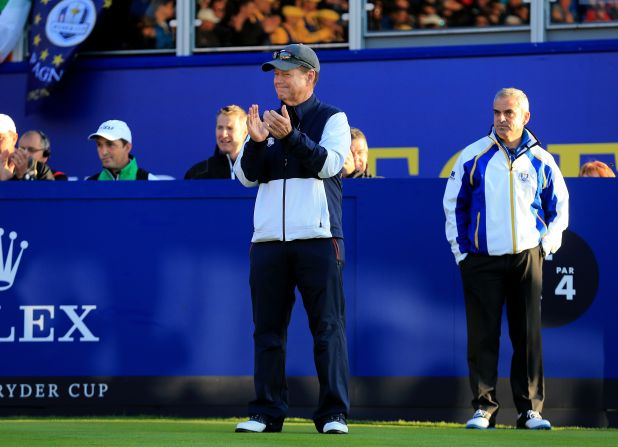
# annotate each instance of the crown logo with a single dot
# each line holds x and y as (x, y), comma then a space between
(8, 269)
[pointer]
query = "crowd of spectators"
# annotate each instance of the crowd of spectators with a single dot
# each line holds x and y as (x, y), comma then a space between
(151, 24)
(405, 15)
(226, 23)
(26, 157)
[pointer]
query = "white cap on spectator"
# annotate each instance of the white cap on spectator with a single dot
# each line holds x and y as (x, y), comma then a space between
(7, 124)
(208, 15)
(113, 130)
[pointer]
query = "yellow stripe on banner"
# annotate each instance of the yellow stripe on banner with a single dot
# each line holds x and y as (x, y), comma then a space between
(571, 154)
(410, 154)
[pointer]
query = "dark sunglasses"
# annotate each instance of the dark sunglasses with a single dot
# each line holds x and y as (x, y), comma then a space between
(285, 55)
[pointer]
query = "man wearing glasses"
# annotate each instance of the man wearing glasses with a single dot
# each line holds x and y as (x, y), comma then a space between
(18, 164)
(36, 143)
(295, 154)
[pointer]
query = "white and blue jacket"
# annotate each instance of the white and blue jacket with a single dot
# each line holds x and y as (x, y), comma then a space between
(500, 203)
(299, 195)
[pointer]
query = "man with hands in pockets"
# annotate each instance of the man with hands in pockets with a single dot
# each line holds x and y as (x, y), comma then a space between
(295, 156)
(506, 206)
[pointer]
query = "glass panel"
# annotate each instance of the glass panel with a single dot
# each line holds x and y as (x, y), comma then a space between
(584, 11)
(135, 25)
(405, 15)
(239, 23)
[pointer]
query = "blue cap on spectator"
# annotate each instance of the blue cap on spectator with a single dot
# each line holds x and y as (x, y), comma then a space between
(293, 56)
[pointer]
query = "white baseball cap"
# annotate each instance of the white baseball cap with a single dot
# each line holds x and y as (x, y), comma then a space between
(7, 124)
(113, 130)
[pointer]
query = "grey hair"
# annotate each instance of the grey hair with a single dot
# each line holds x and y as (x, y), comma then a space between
(45, 143)
(520, 97)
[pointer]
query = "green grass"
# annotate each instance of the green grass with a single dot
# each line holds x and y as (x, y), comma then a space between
(130, 432)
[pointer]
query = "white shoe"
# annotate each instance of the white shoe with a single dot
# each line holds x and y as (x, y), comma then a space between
(336, 425)
(532, 420)
(480, 420)
(251, 425)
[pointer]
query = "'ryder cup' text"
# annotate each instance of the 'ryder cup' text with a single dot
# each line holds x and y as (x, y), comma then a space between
(52, 390)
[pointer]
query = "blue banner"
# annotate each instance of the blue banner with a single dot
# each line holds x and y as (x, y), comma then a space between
(141, 279)
(58, 28)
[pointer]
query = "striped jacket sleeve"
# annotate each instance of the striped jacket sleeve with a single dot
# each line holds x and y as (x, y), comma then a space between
(555, 202)
(456, 203)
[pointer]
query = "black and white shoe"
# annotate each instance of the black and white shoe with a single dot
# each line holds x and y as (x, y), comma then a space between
(258, 423)
(532, 420)
(335, 425)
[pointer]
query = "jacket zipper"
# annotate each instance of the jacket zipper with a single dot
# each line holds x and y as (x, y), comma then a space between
(512, 194)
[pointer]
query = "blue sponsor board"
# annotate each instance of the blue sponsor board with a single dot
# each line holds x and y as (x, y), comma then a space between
(151, 279)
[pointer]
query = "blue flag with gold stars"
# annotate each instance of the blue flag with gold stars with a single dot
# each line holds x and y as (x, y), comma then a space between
(58, 28)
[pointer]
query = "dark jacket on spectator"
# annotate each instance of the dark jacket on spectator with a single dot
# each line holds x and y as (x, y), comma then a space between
(217, 166)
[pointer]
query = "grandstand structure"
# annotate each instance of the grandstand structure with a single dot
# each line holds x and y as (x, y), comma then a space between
(163, 326)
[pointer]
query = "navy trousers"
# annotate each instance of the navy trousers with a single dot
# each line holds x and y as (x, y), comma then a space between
(315, 267)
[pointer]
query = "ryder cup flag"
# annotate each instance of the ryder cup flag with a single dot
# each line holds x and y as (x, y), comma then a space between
(13, 15)
(58, 28)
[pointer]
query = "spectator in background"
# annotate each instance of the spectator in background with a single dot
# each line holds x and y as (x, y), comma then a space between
(597, 11)
(596, 169)
(293, 29)
(114, 144)
(481, 21)
(157, 28)
(18, 164)
(339, 6)
(456, 14)
(429, 16)
(348, 166)
(310, 9)
(38, 146)
(230, 133)
(360, 154)
(240, 26)
(401, 20)
(564, 11)
(375, 16)
(269, 20)
(209, 16)
(327, 19)
(516, 13)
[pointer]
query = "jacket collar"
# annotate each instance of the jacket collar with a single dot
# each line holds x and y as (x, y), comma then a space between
(528, 140)
(302, 109)
(129, 172)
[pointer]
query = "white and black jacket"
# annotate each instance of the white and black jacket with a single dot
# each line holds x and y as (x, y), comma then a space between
(299, 179)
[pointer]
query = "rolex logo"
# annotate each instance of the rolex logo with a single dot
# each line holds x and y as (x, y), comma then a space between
(8, 268)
